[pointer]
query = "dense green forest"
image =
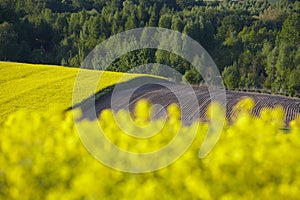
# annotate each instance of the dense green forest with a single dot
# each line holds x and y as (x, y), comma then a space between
(255, 44)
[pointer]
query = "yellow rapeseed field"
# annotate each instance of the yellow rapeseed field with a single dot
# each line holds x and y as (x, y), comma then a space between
(37, 86)
(42, 157)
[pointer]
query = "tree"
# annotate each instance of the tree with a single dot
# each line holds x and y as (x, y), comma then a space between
(177, 24)
(270, 68)
(165, 21)
(207, 36)
(38, 55)
(7, 11)
(182, 4)
(284, 65)
(294, 83)
(116, 25)
(23, 52)
(192, 29)
(131, 23)
(231, 76)
(8, 39)
(290, 34)
(141, 14)
(192, 76)
(153, 21)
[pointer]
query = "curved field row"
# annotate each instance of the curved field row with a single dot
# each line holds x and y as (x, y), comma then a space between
(193, 101)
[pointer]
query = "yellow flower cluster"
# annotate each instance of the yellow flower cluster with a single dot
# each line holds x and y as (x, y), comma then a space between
(42, 157)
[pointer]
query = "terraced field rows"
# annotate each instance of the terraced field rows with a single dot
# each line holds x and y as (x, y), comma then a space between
(37, 86)
(166, 93)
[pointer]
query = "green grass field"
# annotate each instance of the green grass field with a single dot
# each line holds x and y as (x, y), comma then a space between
(35, 87)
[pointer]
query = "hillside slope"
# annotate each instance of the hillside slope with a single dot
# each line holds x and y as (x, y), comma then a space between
(164, 93)
(35, 87)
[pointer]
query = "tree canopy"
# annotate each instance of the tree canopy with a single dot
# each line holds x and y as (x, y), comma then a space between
(255, 43)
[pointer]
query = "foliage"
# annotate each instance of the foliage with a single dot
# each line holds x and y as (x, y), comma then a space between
(64, 32)
(42, 157)
(231, 74)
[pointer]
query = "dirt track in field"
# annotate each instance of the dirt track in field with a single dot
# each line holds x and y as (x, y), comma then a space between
(165, 93)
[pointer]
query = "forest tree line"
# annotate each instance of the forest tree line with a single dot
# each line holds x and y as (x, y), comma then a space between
(255, 44)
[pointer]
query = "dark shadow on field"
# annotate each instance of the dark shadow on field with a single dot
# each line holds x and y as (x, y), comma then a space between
(163, 93)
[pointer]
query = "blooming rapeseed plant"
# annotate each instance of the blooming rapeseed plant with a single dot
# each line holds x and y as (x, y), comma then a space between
(42, 157)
